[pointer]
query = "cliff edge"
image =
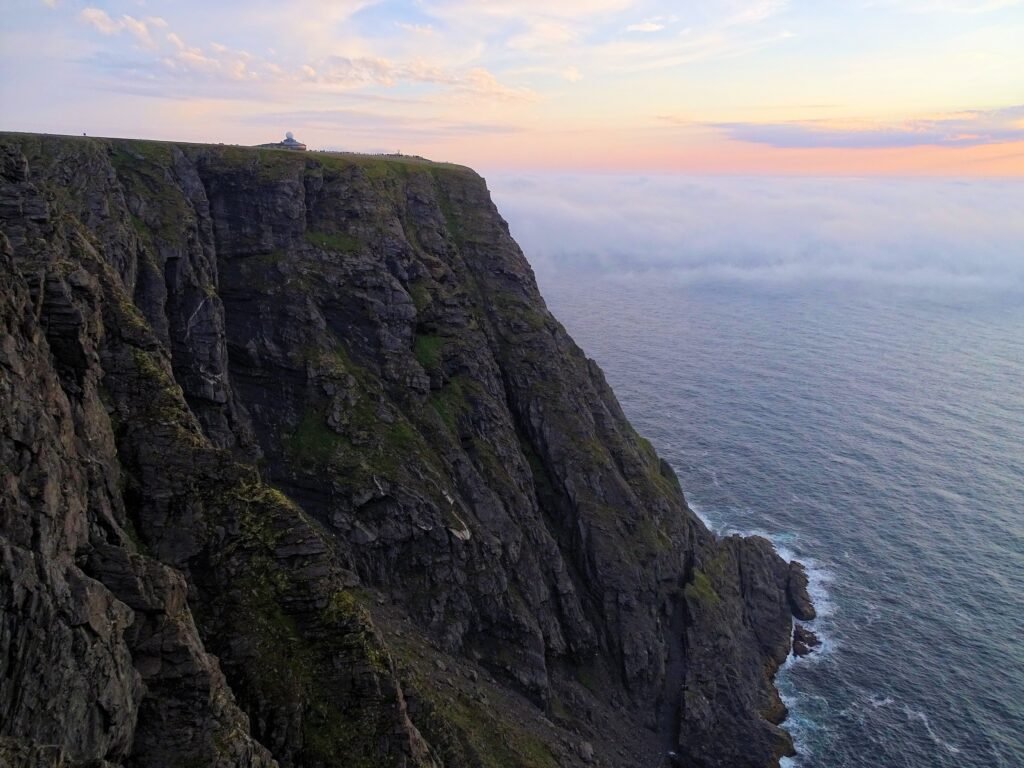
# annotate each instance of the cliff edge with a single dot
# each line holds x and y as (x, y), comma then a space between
(298, 470)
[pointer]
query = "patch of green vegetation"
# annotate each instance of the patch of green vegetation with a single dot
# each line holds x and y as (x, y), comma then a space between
(595, 450)
(313, 441)
(273, 257)
(535, 320)
(652, 537)
(283, 665)
(334, 362)
(276, 164)
(659, 476)
(147, 367)
(495, 743)
(267, 164)
(144, 149)
(646, 449)
(293, 659)
(401, 436)
(450, 402)
(251, 500)
(427, 349)
(515, 308)
(367, 444)
(139, 226)
(345, 609)
(491, 467)
(700, 589)
(142, 168)
(383, 166)
(420, 294)
(558, 709)
(668, 484)
(589, 677)
(130, 314)
(334, 241)
(452, 217)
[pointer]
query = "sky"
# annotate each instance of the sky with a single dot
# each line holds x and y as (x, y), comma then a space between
(802, 87)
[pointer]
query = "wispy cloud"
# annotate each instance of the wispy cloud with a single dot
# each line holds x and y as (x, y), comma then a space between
(947, 6)
(376, 124)
(578, 79)
(753, 12)
(572, 74)
(216, 61)
(345, 71)
(967, 129)
(646, 26)
(416, 29)
(103, 23)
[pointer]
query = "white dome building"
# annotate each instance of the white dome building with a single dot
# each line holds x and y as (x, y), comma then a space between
(289, 143)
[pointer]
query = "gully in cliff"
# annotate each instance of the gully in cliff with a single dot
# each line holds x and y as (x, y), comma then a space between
(299, 470)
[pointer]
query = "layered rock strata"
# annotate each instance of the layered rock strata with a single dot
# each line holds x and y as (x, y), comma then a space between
(298, 470)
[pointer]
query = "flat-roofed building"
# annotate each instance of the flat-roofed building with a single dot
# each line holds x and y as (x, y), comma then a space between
(288, 143)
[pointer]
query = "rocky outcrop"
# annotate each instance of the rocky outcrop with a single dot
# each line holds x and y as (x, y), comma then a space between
(299, 470)
(805, 642)
(796, 590)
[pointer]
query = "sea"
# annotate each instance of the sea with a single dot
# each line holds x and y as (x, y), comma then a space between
(836, 365)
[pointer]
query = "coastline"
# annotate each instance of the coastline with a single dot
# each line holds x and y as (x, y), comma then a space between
(798, 722)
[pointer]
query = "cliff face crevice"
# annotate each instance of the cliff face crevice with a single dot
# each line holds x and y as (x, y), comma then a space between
(299, 469)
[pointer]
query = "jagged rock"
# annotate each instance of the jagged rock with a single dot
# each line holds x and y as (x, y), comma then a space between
(738, 634)
(299, 470)
(586, 751)
(804, 641)
(796, 590)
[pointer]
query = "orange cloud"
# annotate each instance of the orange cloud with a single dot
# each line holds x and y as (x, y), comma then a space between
(591, 151)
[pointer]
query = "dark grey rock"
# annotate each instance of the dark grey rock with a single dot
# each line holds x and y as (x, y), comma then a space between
(796, 590)
(805, 641)
(298, 469)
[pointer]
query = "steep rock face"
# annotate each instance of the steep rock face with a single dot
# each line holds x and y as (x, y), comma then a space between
(298, 468)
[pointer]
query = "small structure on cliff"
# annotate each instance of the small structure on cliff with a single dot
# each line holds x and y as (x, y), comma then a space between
(288, 143)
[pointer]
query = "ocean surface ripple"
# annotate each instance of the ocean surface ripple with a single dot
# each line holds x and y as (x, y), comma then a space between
(875, 432)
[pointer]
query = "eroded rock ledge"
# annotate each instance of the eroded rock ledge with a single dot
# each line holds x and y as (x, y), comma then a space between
(299, 470)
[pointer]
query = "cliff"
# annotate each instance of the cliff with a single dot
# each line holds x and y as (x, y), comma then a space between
(298, 470)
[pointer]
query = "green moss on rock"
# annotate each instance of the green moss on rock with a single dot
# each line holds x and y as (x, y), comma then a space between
(427, 349)
(334, 241)
(701, 590)
(313, 442)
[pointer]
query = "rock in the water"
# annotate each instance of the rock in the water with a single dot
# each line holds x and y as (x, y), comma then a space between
(796, 590)
(804, 641)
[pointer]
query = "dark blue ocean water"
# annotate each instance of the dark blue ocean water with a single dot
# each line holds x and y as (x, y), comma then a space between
(873, 429)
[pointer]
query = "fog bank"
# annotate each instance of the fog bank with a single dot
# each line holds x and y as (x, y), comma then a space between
(691, 229)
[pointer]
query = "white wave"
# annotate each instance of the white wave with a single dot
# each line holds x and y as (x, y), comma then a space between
(805, 731)
(787, 544)
(819, 576)
(705, 518)
(914, 714)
